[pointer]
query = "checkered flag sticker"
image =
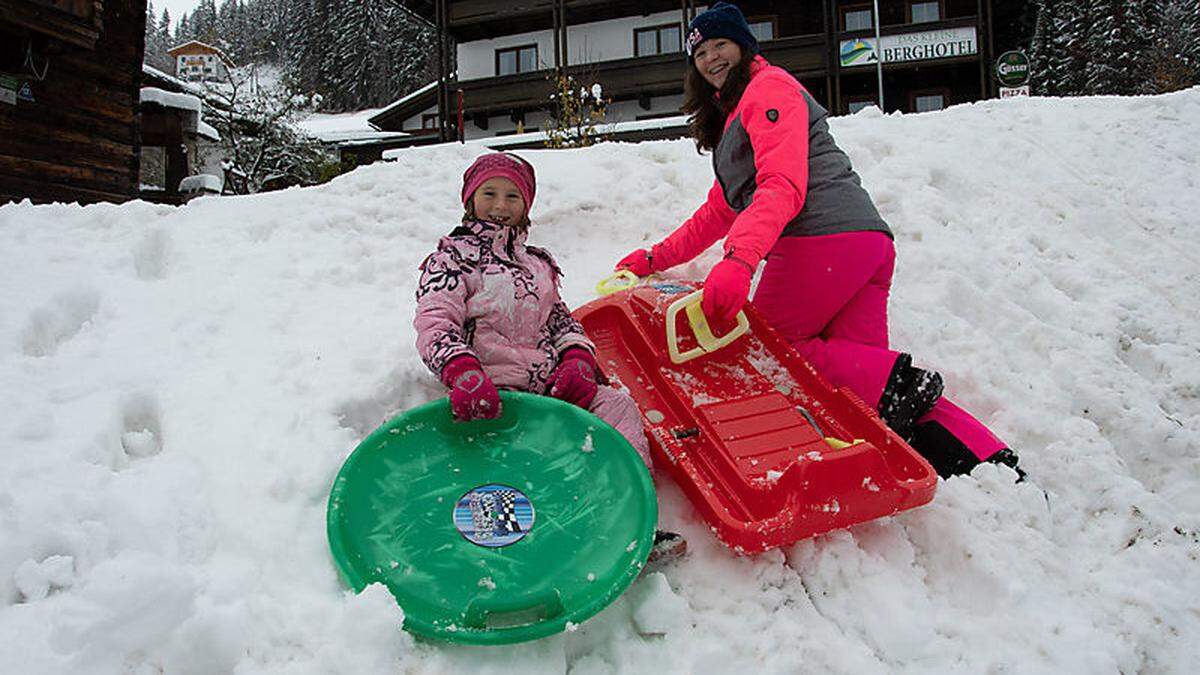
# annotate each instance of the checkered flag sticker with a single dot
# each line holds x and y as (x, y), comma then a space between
(494, 515)
(506, 511)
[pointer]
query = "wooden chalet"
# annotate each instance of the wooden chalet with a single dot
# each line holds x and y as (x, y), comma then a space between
(195, 60)
(70, 72)
(495, 56)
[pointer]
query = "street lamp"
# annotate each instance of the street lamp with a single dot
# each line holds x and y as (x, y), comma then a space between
(878, 56)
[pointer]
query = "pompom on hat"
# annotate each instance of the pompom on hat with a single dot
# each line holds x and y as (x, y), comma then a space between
(504, 165)
(721, 20)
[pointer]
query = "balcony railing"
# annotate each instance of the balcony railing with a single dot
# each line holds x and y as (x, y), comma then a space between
(661, 74)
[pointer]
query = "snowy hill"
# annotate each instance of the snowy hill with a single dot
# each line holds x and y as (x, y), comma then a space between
(180, 385)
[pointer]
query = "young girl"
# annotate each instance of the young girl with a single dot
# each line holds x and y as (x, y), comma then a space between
(489, 314)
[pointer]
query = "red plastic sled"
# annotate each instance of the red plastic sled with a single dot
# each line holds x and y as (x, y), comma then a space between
(767, 450)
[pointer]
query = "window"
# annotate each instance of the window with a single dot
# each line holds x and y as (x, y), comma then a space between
(429, 121)
(516, 60)
(927, 102)
(857, 18)
(924, 12)
(763, 29)
(657, 40)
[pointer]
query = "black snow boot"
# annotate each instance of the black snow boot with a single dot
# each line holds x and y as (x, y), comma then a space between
(910, 393)
(950, 457)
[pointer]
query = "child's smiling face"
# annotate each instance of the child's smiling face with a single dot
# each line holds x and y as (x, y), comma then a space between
(499, 201)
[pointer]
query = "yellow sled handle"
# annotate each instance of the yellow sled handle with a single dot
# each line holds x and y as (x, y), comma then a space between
(617, 281)
(707, 342)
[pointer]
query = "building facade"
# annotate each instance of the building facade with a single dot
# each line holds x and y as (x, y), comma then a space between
(198, 62)
(932, 54)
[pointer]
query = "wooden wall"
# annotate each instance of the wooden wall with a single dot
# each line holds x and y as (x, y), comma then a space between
(79, 141)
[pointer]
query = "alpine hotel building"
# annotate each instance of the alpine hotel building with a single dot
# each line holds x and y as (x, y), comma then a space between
(935, 53)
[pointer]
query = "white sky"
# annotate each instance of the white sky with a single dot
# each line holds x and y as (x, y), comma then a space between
(177, 8)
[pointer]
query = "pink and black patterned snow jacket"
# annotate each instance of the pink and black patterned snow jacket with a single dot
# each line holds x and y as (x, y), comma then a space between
(485, 293)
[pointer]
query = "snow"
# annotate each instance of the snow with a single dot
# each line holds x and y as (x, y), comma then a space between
(168, 99)
(405, 99)
(181, 384)
(347, 129)
(202, 182)
(186, 86)
(207, 131)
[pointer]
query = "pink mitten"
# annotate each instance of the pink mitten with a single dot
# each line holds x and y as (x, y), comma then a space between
(472, 394)
(574, 380)
(637, 262)
(725, 291)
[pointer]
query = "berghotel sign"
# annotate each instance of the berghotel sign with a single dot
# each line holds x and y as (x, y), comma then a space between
(923, 46)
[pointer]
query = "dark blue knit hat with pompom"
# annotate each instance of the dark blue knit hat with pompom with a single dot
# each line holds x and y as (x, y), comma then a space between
(721, 20)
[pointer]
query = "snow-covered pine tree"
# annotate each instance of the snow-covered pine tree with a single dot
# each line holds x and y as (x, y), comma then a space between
(356, 48)
(225, 29)
(1117, 46)
(164, 29)
(183, 31)
(1042, 80)
(204, 22)
(1071, 42)
(1173, 56)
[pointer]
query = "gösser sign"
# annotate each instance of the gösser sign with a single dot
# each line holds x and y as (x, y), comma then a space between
(934, 44)
(1012, 69)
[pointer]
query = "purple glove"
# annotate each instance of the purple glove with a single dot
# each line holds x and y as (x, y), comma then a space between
(574, 380)
(725, 291)
(472, 394)
(638, 262)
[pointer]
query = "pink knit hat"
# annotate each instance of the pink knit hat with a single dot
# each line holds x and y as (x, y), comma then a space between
(505, 165)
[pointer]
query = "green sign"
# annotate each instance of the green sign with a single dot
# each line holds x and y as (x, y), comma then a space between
(1012, 69)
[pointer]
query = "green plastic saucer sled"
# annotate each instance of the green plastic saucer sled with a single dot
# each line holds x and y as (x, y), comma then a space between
(494, 531)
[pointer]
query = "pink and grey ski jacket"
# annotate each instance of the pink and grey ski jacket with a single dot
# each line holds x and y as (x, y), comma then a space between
(485, 293)
(778, 173)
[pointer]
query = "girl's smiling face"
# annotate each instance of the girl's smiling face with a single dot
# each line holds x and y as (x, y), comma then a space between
(498, 200)
(714, 59)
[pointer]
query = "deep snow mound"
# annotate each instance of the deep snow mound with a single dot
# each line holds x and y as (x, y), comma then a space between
(180, 385)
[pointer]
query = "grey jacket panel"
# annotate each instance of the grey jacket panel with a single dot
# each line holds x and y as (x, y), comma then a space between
(733, 163)
(835, 202)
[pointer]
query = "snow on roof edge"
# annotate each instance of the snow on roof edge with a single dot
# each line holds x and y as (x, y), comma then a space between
(406, 99)
(169, 99)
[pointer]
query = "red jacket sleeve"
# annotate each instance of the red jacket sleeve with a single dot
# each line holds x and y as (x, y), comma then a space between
(709, 223)
(775, 116)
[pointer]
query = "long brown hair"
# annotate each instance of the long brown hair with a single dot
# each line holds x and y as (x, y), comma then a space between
(707, 106)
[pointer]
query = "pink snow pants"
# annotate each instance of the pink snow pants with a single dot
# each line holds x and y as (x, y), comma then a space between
(619, 410)
(827, 295)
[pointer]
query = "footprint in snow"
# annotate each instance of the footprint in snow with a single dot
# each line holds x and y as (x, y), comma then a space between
(151, 254)
(141, 424)
(52, 325)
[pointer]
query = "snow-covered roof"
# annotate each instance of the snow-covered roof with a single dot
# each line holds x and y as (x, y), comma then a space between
(169, 99)
(188, 87)
(196, 46)
(351, 138)
(205, 131)
(405, 100)
(347, 129)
